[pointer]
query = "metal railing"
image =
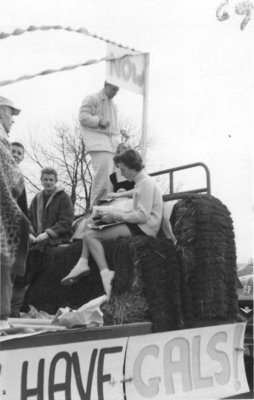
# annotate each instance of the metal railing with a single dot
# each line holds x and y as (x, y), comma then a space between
(177, 195)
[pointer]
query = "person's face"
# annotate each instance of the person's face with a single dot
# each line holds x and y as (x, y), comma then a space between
(126, 172)
(7, 118)
(111, 91)
(17, 153)
(48, 182)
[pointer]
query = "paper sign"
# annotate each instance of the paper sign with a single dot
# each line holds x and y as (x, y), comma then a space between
(127, 72)
(85, 370)
(198, 363)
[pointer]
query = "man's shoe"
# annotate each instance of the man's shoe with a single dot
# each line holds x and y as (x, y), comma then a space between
(107, 275)
(81, 269)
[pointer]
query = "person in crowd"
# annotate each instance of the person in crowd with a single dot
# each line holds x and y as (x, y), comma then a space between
(18, 153)
(100, 132)
(144, 219)
(18, 289)
(51, 216)
(119, 183)
(14, 224)
(51, 211)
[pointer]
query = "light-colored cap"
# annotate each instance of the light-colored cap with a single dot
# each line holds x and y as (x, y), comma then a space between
(6, 102)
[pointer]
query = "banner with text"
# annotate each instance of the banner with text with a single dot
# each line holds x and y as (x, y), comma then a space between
(127, 72)
(190, 364)
(198, 363)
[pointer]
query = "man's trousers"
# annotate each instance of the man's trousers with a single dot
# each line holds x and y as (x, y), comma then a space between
(102, 163)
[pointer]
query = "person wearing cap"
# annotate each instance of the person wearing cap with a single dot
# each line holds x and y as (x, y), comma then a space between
(8, 110)
(14, 224)
(100, 132)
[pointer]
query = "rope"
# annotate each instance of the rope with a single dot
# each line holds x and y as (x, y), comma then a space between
(63, 69)
(83, 31)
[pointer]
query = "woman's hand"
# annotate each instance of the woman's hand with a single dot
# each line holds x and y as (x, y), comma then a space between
(107, 217)
(111, 195)
(120, 193)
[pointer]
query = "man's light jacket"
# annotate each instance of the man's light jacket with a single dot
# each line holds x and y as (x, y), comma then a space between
(93, 108)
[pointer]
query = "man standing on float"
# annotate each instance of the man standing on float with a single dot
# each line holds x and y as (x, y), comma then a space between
(101, 135)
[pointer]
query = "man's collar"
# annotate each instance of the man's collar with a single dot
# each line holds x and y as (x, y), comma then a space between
(3, 133)
(50, 194)
(3, 128)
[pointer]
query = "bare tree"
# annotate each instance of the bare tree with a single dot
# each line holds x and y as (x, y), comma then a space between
(130, 132)
(67, 154)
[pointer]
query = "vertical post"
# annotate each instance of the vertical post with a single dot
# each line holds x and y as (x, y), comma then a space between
(145, 107)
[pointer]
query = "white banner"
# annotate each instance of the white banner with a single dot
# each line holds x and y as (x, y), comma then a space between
(74, 371)
(126, 72)
(195, 363)
(202, 363)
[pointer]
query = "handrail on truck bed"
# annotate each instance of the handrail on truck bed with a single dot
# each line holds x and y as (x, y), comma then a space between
(172, 195)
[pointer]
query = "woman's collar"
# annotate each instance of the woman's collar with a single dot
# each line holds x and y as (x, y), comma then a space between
(140, 175)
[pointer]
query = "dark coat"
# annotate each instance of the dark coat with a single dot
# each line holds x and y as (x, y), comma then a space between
(22, 202)
(57, 217)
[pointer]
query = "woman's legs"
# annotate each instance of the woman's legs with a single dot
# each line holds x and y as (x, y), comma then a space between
(80, 269)
(94, 239)
(92, 243)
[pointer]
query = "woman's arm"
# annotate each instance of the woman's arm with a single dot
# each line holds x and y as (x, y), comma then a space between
(126, 193)
(143, 203)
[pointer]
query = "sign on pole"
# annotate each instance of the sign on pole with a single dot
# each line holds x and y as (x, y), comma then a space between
(129, 70)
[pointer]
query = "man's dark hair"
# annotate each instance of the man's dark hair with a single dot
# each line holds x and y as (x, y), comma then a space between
(18, 144)
(49, 171)
(130, 158)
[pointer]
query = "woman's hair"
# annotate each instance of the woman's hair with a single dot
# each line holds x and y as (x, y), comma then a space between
(49, 171)
(130, 158)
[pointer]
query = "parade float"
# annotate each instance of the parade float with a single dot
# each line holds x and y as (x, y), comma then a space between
(170, 329)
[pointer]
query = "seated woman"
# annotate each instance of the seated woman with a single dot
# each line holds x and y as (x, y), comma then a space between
(118, 185)
(144, 219)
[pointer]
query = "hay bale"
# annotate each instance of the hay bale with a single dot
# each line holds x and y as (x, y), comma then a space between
(204, 230)
(47, 293)
(128, 307)
(153, 291)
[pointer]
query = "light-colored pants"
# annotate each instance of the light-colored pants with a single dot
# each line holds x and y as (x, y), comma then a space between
(102, 163)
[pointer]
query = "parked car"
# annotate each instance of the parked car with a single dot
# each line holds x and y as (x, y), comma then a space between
(245, 302)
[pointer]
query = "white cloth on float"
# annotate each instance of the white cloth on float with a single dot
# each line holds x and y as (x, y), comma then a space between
(81, 224)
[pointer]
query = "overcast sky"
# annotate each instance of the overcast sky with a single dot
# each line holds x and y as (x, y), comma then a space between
(200, 82)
